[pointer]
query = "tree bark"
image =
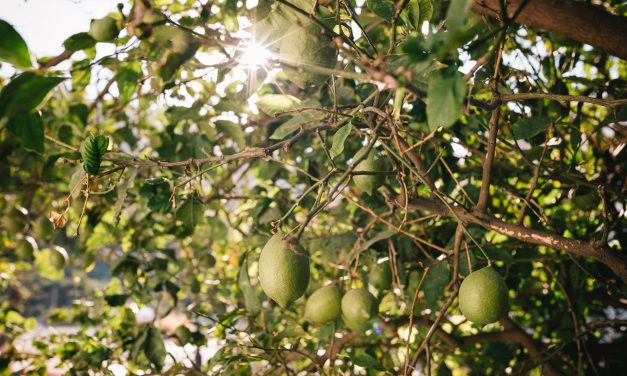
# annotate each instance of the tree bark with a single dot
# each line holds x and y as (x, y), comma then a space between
(580, 21)
(613, 260)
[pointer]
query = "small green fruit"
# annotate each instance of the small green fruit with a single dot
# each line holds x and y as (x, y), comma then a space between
(43, 228)
(306, 47)
(58, 257)
(24, 250)
(380, 276)
(358, 309)
(369, 183)
(104, 29)
(323, 305)
(177, 40)
(14, 221)
(283, 270)
(483, 296)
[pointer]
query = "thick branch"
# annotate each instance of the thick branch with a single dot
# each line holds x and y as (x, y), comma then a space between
(579, 248)
(577, 20)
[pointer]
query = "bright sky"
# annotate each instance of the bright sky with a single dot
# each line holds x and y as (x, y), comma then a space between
(45, 24)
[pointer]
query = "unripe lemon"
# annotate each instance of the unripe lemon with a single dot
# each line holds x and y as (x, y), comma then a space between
(104, 29)
(43, 228)
(483, 296)
(380, 276)
(283, 270)
(14, 221)
(58, 257)
(307, 48)
(24, 250)
(358, 309)
(369, 183)
(323, 305)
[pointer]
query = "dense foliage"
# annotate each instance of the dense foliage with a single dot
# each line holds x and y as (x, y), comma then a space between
(407, 143)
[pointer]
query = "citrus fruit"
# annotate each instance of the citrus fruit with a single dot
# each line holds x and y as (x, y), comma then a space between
(42, 228)
(483, 296)
(358, 309)
(323, 305)
(14, 221)
(283, 270)
(24, 250)
(380, 276)
(306, 48)
(369, 183)
(104, 29)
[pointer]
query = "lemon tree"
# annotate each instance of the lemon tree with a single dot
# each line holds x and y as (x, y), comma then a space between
(315, 187)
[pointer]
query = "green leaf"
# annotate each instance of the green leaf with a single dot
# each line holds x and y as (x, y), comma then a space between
(13, 48)
(378, 237)
(296, 122)
(80, 41)
(25, 92)
(457, 14)
(92, 151)
(426, 10)
(250, 298)
(273, 103)
(526, 128)
(434, 284)
(154, 348)
(445, 96)
(382, 8)
(367, 361)
(338, 140)
(127, 79)
(29, 129)
(191, 213)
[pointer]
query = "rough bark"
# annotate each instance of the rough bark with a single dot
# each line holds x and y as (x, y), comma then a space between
(577, 20)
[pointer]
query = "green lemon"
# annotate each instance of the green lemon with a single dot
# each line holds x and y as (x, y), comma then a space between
(14, 221)
(380, 276)
(42, 228)
(177, 40)
(283, 270)
(306, 48)
(58, 257)
(483, 296)
(24, 250)
(104, 29)
(369, 183)
(323, 305)
(359, 307)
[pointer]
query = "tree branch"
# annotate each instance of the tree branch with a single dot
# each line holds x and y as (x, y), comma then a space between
(580, 21)
(600, 253)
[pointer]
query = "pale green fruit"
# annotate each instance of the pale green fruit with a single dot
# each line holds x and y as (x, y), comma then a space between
(42, 229)
(369, 183)
(24, 250)
(283, 270)
(58, 257)
(359, 307)
(380, 276)
(104, 29)
(483, 296)
(306, 48)
(323, 305)
(177, 40)
(14, 221)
